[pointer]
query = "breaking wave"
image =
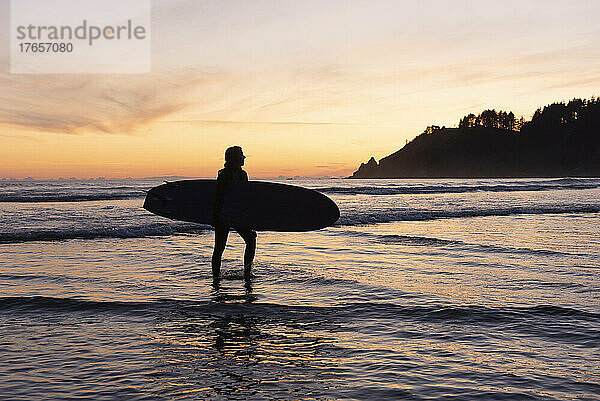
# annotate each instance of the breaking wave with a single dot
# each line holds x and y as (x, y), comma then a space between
(389, 216)
(137, 231)
(403, 189)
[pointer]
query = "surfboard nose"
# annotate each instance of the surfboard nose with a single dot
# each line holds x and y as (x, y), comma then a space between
(148, 202)
(335, 215)
(330, 212)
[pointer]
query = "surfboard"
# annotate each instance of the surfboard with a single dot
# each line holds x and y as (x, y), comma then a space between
(262, 206)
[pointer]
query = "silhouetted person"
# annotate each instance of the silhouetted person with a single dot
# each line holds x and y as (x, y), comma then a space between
(234, 160)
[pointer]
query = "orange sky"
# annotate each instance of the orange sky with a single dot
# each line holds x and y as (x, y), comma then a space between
(306, 88)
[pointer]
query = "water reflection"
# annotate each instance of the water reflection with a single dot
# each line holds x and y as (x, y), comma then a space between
(238, 348)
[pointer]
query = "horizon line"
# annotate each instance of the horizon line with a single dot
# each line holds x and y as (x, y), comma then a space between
(101, 178)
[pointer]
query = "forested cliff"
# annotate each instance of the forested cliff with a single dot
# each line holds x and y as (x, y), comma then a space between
(562, 139)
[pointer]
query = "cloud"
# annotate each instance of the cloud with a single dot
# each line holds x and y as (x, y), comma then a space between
(335, 165)
(227, 122)
(22, 137)
(311, 94)
(109, 104)
(586, 81)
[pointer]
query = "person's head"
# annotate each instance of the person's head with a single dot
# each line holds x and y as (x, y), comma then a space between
(234, 157)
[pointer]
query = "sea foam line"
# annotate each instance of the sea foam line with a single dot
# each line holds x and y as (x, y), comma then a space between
(354, 218)
(139, 231)
(347, 218)
(441, 189)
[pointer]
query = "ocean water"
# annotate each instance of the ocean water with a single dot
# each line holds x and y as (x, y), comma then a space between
(423, 290)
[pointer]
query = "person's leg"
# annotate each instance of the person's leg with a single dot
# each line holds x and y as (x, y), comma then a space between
(249, 237)
(221, 234)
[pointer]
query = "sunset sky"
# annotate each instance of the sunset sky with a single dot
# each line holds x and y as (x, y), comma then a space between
(305, 87)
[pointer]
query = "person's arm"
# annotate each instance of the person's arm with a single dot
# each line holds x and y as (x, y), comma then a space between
(220, 189)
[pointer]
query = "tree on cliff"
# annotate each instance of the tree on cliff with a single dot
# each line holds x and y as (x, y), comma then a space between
(490, 119)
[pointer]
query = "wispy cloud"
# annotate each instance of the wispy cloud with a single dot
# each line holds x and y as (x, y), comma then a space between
(312, 95)
(335, 165)
(593, 80)
(226, 122)
(21, 137)
(74, 104)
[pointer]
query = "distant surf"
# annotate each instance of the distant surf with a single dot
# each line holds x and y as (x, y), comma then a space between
(82, 191)
(134, 231)
(76, 197)
(388, 216)
(347, 218)
(420, 188)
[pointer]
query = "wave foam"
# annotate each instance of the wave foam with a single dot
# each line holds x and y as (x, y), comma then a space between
(149, 230)
(567, 184)
(349, 219)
